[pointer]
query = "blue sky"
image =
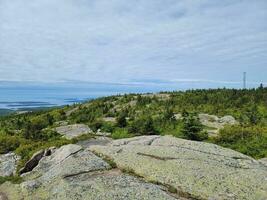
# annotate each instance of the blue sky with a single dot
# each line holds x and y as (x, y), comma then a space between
(138, 41)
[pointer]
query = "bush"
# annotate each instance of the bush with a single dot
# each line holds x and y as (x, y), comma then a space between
(251, 141)
(9, 143)
(120, 133)
(143, 125)
(121, 120)
(107, 127)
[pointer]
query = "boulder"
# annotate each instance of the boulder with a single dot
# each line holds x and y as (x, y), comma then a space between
(196, 169)
(74, 130)
(228, 120)
(8, 164)
(216, 122)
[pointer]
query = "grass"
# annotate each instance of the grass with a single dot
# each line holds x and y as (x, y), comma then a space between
(12, 179)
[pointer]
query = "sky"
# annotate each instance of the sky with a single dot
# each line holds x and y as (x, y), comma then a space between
(131, 42)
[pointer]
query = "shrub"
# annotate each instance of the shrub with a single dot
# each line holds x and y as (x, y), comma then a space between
(120, 133)
(9, 143)
(251, 141)
(121, 120)
(143, 125)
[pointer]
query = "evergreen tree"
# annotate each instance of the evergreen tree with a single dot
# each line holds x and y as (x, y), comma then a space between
(193, 129)
(121, 120)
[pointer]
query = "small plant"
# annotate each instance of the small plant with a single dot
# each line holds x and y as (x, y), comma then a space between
(120, 133)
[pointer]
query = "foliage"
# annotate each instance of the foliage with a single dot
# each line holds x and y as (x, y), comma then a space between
(120, 133)
(251, 141)
(121, 120)
(12, 179)
(143, 126)
(193, 129)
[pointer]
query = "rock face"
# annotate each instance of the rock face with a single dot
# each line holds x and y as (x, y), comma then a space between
(34, 161)
(73, 173)
(8, 164)
(128, 169)
(72, 131)
(198, 170)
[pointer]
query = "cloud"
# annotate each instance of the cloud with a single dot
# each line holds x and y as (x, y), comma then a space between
(118, 41)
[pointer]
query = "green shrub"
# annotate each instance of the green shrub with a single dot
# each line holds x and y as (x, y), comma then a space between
(120, 133)
(251, 141)
(144, 126)
(9, 143)
(121, 120)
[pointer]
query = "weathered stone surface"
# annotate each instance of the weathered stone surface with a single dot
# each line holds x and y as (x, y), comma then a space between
(8, 164)
(72, 173)
(95, 141)
(72, 131)
(216, 122)
(33, 162)
(201, 170)
(263, 161)
(69, 159)
(101, 185)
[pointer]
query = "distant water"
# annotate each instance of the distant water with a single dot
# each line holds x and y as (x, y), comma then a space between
(14, 95)
(22, 95)
(28, 98)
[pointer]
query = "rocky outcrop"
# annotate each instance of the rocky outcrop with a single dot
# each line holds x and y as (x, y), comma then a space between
(146, 167)
(34, 161)
(8, 164)
(195, 169)
(74, 130)
(216, 122)
(74, 173)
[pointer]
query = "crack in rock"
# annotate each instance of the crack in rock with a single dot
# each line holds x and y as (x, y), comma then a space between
(95, 173)
(158, 157)
(237, 166)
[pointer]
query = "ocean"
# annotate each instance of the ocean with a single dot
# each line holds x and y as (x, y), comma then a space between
(27, 95)
(20, 96)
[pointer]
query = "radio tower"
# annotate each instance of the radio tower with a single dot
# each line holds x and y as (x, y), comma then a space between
(244, 80)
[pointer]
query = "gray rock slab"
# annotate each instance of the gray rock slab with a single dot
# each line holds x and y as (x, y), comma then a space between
(200, 170)
(8, 164)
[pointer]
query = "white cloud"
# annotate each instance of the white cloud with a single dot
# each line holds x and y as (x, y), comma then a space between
(117, 40)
